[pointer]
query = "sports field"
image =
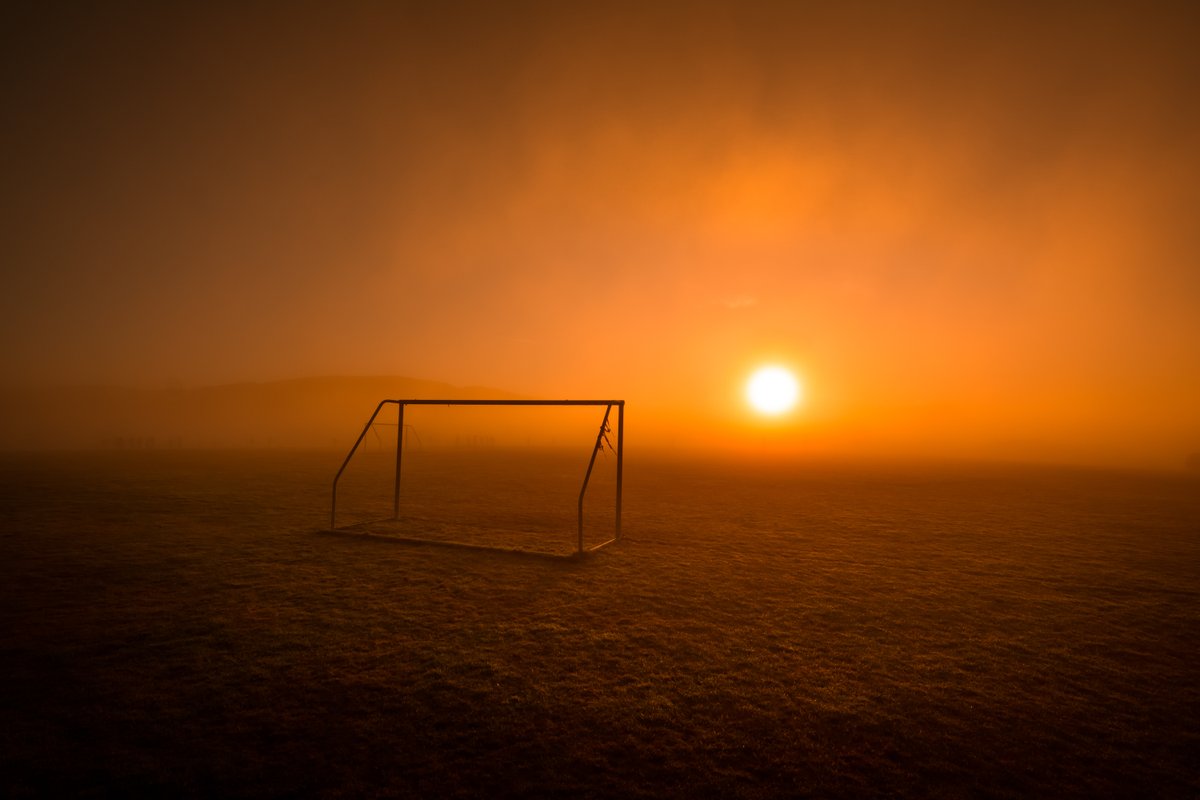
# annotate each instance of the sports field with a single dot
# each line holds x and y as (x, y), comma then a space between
(176, 623)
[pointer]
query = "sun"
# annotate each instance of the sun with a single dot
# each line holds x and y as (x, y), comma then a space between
(772, 390)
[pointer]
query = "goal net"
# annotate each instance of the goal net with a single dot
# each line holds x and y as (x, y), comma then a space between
(529, 475)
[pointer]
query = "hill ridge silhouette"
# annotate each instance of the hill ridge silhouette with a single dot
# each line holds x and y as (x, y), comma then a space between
(319, 410)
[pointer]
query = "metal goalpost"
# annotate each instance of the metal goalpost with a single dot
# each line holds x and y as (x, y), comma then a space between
(601, 440)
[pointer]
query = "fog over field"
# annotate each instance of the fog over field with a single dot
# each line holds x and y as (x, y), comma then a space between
(967, 228)
(899, 300)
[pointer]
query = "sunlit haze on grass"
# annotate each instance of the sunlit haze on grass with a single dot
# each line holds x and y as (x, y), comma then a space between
(971, 226)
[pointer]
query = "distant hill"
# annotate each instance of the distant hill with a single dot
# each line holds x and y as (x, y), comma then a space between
(305, 412)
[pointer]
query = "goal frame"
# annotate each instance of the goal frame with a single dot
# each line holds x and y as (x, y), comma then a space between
(600, 441)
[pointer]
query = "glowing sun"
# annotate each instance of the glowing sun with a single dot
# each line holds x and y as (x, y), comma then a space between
(772, 390)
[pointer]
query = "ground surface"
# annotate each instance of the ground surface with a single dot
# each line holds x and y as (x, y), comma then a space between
(173, 623)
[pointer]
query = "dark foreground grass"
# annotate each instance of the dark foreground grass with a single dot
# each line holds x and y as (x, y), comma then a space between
(173, 623)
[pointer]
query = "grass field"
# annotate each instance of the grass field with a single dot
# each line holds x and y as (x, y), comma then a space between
(174, 623)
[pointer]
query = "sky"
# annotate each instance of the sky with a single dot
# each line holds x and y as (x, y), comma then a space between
(969, 229)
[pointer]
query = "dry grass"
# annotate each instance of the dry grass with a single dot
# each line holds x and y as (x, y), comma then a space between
(173, 623)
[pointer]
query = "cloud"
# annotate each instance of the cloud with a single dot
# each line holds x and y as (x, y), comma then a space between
(740, 301)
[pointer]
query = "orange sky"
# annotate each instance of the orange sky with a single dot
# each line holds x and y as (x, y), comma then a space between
(972, 232)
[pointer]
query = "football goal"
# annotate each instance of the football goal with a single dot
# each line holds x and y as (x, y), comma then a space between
(459, 469)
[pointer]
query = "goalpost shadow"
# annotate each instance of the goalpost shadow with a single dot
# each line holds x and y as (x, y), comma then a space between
(353, 532)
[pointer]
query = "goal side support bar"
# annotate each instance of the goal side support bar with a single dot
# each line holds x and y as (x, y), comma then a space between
(600, 439)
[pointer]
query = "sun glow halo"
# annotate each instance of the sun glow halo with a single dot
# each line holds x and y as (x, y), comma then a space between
(772, 390)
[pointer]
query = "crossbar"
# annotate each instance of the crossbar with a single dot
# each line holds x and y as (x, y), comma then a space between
(401, 403)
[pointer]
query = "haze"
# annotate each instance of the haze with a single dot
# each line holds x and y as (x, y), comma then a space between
(971, 232)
